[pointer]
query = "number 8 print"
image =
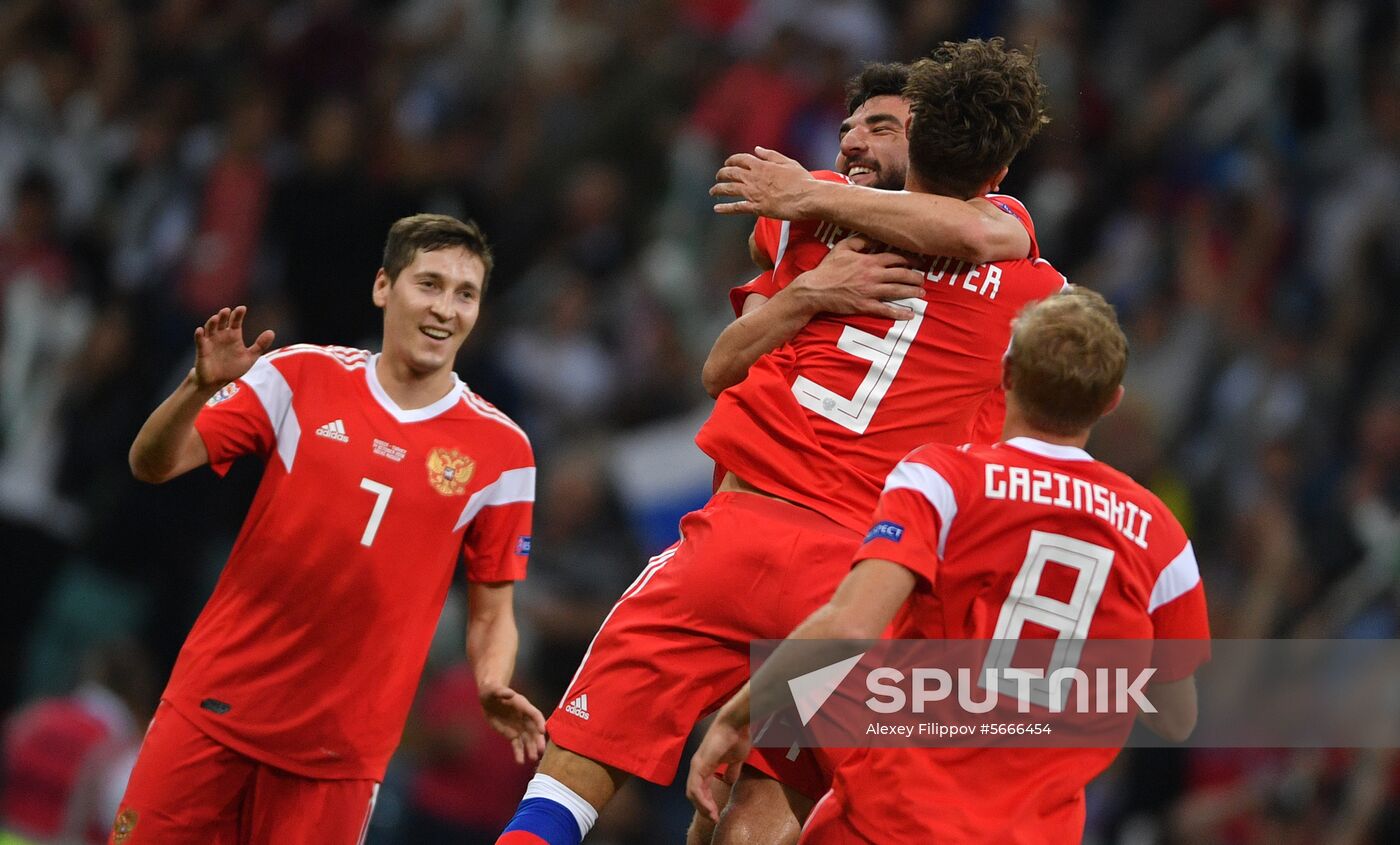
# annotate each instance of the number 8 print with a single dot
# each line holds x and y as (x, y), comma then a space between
(1069, 620)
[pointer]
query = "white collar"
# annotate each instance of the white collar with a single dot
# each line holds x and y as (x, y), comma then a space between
(427, 412)
(1049, 450)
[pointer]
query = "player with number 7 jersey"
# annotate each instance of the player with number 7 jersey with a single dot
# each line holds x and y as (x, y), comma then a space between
(383, 473)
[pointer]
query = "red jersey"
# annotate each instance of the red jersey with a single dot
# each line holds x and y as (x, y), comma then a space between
(1021, 533)
(821, 420)
(308, 653)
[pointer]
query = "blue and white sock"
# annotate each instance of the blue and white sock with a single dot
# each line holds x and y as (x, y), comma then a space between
(549, 814)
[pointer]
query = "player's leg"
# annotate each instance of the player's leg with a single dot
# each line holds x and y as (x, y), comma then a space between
(670, 651)
(283, 807)
(563, 799)
(762, 811)
(185, 788)
(702, 830)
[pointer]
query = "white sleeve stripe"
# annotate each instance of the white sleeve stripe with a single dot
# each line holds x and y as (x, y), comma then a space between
(272, 390)
(924, 479)
(1176, 580)
(349, 360)
(783, 232)
(514, 485)
(479, 405)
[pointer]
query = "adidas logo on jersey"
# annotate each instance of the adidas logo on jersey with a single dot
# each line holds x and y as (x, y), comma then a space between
(335, 430)
(578, 707)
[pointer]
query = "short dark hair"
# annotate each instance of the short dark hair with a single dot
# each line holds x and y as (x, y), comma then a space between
(428, 232)
(1066, 361)
(876, 79)
(974, 105)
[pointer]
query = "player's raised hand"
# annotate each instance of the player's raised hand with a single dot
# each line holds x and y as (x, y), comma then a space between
(854, 280)
(513, 716)
(219, 353)
(726, 742)
(766, 182)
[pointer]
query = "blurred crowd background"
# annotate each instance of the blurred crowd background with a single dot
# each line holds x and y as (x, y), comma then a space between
(1227, 172)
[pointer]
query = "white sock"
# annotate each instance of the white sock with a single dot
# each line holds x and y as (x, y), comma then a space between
(544, 786)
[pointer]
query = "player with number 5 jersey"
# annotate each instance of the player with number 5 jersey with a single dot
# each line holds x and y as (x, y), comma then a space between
(382, 473)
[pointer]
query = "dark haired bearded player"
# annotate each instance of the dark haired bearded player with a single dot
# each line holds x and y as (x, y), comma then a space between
(805, 439)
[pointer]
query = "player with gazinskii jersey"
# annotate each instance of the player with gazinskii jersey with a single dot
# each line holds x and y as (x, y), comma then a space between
(762, 554)
(961, 548)
(382, 473)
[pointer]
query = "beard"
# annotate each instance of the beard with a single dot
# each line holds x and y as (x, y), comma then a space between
(891, 179)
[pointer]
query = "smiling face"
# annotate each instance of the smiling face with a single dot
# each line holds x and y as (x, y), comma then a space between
(874, 149)
(430, 308)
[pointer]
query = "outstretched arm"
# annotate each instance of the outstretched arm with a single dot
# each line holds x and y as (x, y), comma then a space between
(492, 640)
(168, 445)
(1175, 701)
(770, 184)
(848, 281)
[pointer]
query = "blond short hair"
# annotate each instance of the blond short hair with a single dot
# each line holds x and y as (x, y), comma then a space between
(1066, 361)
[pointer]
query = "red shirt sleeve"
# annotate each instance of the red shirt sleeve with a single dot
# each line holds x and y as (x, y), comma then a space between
(1178, 610)
(496, 545)
(761, 284)
(768, 236)
(1017, 209)
(911, 522)
(239, 419)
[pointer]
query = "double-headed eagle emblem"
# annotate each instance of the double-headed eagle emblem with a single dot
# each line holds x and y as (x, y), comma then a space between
(449, 471)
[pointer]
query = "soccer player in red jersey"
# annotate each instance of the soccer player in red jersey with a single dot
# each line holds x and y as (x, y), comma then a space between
(382, 471)
(806, 439)
(959, 551)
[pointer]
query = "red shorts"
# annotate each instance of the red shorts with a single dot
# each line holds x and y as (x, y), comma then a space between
(827, 825)
(187, 788)
(676, 645)
(806, 770)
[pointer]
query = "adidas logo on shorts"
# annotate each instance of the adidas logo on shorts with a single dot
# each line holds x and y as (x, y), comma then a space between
(335, 430)
(578, 707)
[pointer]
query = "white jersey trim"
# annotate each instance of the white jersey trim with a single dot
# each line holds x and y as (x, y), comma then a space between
(272, 390)
(1176, 580)
(486, 409)
(409, 415)
(350, 359)
(513, 485)
(784, 232)
(1053, 451)
(924, 479)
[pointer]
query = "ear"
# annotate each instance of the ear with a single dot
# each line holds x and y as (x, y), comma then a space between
(1114, 402)
(380, 292)
(994, 184)
(1006, 373)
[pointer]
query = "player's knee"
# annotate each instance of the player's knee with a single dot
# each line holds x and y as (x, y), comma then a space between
(739, 828)
(754, 818)
(701, 830)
